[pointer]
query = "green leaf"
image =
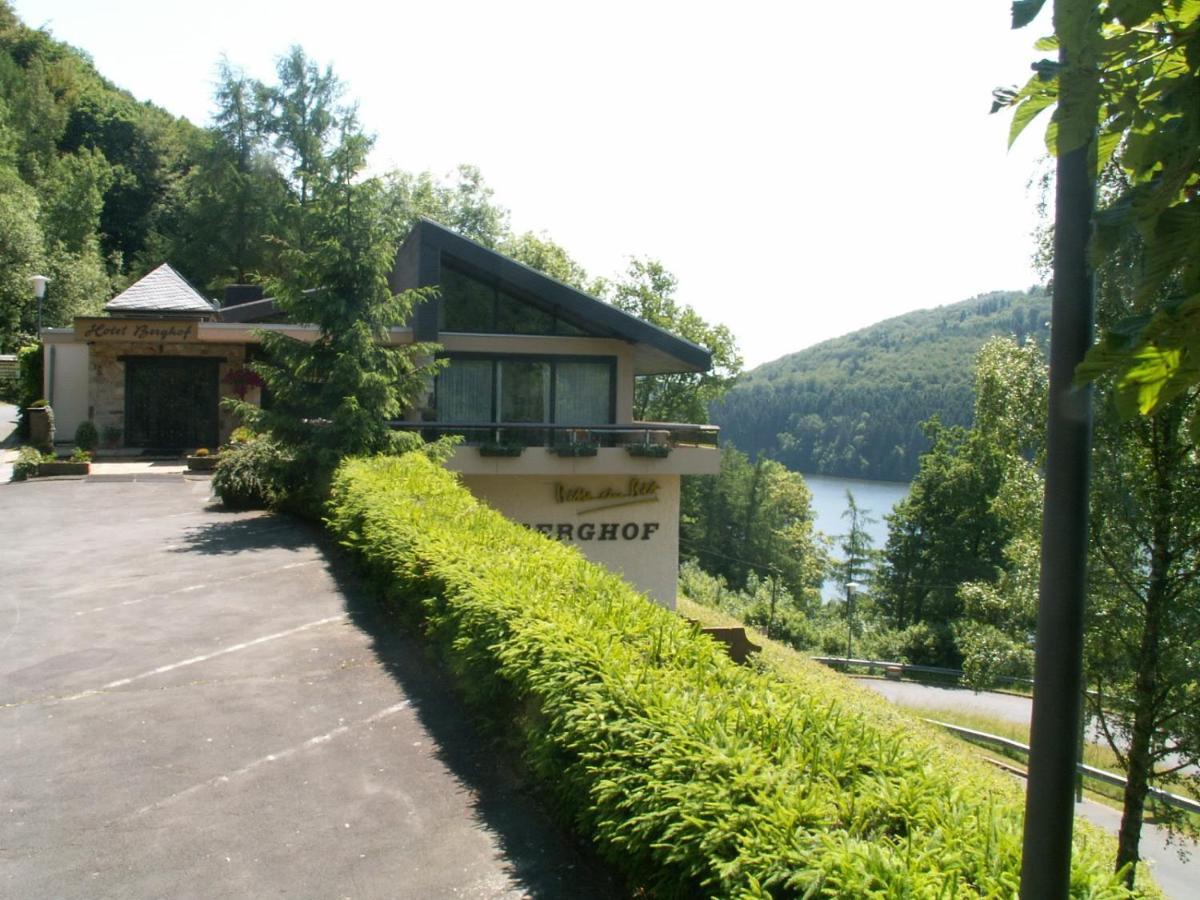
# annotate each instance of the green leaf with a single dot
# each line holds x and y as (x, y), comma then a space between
(1105, 148)
(1027, 111)
(1148, 376)
(1025, 11)
(1132, 13)
(1004, 97)
(1078, 95)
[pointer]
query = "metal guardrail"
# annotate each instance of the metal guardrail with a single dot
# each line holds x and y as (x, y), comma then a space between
(906, 668)
(982, 737)
(674, 434)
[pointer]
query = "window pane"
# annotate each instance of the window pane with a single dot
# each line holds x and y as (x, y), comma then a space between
(582, 393)
(466, 303)
(464, 391)
(565, 327)
(515, 316)
(524, 391)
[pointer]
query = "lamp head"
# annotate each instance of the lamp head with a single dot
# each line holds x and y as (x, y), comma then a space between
(39, 283)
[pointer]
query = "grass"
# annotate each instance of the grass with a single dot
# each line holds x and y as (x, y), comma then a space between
(1098, 756)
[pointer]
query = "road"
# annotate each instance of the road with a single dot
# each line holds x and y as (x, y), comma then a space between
(199, 703)
(1177, 878)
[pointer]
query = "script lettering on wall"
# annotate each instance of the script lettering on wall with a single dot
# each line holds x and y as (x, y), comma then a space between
(634, 492)
(154, 331)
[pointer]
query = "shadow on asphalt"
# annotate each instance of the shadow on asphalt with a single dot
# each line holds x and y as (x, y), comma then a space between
(257, 531)
(539, 855)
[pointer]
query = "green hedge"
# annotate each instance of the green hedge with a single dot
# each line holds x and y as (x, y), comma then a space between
(693, 776)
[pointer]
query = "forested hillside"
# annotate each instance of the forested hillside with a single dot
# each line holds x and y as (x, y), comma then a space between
(853, 406)
(97, 188)
(85, 171)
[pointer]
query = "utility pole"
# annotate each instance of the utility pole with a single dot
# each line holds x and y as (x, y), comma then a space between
(1058, 667)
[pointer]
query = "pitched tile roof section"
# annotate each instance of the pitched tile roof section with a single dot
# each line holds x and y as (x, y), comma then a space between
(418, 264)
(163, 291)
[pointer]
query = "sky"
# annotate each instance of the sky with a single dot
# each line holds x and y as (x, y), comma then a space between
(803, 169)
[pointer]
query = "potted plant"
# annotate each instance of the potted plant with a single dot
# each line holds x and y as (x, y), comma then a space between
(648, 450)
(577, 448)
(41, 425)
(202, 460)
(87, 438)
(110, 437)
(501, 448)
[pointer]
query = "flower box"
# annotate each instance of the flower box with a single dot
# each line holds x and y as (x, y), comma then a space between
(202, 463)
(652, 451)
(501, 449)
(580, 449)
(63, 467)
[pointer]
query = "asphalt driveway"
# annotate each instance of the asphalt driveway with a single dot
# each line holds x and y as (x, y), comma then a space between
(196, 703)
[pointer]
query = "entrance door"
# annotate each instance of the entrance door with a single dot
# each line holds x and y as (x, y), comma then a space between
(171, 402)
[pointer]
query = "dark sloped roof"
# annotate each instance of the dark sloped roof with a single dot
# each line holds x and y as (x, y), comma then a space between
(418, 264)
(251, 311)
(162, 291)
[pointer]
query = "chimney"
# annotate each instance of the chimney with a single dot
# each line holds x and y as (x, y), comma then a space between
(236, 294)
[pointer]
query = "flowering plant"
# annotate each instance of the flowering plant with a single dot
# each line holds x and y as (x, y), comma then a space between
(241, 380)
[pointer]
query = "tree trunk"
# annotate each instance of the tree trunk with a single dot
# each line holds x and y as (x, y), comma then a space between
(1146, 684)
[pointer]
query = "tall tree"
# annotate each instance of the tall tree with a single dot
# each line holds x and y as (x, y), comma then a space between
(754, 518)
(541, 253)
(304, 117)
(647, 291)
(944, 533)
(234, 198)
(464, 203)
(1144, 615)
(858, 552)
(333, 396)
(21, 255)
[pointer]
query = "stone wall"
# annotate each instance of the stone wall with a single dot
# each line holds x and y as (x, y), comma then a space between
(106, 381)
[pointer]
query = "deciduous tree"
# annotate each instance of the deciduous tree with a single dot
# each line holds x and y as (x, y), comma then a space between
(648, 291)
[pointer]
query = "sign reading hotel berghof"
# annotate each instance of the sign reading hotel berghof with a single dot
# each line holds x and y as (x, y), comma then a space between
(633, 493)
(152, 331)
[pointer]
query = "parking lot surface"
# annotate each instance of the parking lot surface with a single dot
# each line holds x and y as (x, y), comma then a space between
(197, 703)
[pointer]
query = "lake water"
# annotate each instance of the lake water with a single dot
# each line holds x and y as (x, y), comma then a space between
(874, 499)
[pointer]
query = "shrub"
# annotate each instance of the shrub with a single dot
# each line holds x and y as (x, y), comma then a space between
(201, 451)
(26, 464)
(692, 775)
(29, 384)
(989, 655)
(250, 475)
(78, 454)
(110, 436)
(87, 437)
(10, 387)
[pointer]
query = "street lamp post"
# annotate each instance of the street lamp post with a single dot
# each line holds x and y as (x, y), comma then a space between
(39, 283)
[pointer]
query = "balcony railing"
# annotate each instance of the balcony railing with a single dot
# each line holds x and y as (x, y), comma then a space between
(665, 434)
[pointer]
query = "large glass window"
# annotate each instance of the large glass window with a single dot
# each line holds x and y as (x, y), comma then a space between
(524, 391)
(478, 390)
(467, 305)
(582, 393)
(464, 391)
(514, 316)
(473, 306)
